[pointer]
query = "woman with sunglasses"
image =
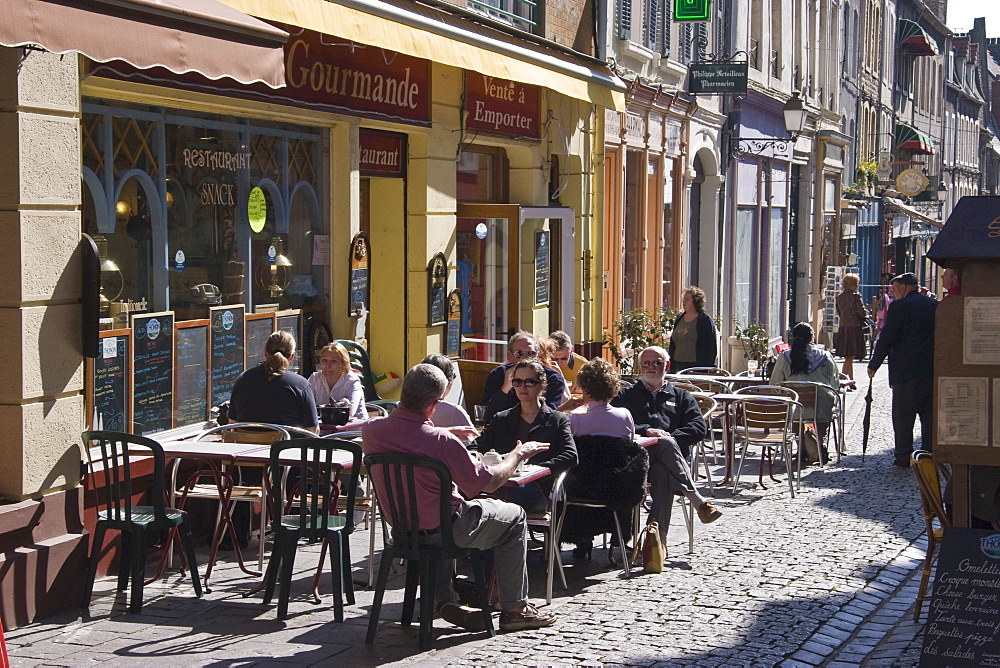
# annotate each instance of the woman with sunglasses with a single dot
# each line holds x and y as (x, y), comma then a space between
(531, 420)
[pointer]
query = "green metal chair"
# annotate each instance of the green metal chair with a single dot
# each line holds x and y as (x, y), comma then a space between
(118, 453)
(362, 366)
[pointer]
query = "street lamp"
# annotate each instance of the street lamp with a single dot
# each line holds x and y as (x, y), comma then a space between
(795, 121)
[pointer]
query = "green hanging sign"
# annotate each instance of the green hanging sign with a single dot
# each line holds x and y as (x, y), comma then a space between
(692, 10)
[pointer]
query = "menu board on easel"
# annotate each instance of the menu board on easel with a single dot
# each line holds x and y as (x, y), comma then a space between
(191, 372)
(453, 331)
(108, 377)
(153, 370)
(291, 321)
(259, 327)
(228, 347)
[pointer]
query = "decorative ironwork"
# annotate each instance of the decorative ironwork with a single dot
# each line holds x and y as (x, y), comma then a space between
(739, 146)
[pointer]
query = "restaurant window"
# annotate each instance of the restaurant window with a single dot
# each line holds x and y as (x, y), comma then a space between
(481, 175)
(168, 197)
(668, 237)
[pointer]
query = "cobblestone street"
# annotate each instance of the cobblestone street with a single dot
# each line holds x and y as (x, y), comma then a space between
(826, 578)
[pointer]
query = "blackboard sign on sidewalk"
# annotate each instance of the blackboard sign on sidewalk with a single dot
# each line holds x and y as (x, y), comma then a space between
(963, 621)
(228, 349)
(191, 375)
(260, 326)
(153, 375)
(109, 382)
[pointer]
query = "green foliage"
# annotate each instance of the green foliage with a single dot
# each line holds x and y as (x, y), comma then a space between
(754, 337)
(638, 329)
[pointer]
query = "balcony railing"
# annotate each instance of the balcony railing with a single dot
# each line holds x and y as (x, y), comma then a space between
(521, 14)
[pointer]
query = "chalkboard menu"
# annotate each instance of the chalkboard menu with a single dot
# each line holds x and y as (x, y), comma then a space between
(964, 613)
(259, 327)
(153, 368)
(437, 290)
(228, 349)
(109, 382)
(358, 297)
(541, 268)
(453, 332)
(191, 373)
(291, 322)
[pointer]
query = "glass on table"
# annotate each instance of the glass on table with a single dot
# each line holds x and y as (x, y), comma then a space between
(479, 416)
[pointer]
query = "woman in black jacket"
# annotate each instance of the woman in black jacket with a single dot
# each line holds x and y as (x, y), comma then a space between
(694, 341)
(531, 420)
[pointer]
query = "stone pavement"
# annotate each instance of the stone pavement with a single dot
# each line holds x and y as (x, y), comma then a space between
(827, 578)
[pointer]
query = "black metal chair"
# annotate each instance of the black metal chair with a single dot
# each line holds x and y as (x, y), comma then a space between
(118, 453)
(362, 366)
(314, 495)
(423, 550)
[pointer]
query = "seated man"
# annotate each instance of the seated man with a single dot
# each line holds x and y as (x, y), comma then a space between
(498, 393)
(671, 415)
(479, 523)
(569, 362)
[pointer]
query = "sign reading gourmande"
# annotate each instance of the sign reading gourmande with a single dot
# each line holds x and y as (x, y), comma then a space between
(718, 78)
(502, 106)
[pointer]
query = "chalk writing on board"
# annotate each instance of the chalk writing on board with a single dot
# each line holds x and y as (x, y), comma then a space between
(228, 353)
(152, 356)
(110, 384)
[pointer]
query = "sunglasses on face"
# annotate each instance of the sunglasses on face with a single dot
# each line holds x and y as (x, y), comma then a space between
(522, 354)
(527, 382)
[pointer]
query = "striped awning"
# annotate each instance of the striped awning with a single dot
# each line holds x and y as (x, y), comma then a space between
(913, 140)
(915, 39)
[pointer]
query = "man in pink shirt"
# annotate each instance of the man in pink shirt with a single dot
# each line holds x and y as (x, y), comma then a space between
(480, 523)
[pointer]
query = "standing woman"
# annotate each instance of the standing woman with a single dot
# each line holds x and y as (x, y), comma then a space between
(267, 393)
(850, 343)
(694, 341)
(532, 419)
(337, 383)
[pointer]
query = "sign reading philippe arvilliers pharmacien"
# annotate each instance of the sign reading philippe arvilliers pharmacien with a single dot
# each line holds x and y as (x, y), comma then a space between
(718, 78)
(502, 106)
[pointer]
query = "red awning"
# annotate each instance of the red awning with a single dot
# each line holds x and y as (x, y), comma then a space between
(915, 39)
(203, 36)
(911, 139)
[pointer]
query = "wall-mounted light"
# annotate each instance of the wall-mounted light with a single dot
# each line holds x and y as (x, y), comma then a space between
(123, 209)
(795, 115)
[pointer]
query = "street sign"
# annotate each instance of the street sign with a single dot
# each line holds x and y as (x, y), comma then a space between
(716, 78)
(692, 10)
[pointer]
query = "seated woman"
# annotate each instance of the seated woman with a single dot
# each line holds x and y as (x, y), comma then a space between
(337, 383)
(531, 420)
(805, 361)
(268, 393)
(447, 414)
(612, 466)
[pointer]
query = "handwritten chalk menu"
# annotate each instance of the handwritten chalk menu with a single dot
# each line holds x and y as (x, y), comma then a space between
(228, 349)
(259, 327)
(453, 333)
(541, 268)
(291, 322)
(191, 373)
(109, 377)
(153, 367)
(963, 621)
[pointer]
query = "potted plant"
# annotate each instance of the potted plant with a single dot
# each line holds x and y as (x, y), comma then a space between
(638, 329)
(868, 175)
(752, 338)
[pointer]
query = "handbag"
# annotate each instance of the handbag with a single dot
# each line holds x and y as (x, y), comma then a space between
(648, 544)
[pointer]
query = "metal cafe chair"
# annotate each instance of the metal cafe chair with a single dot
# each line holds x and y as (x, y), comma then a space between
(768, 422)
(813, 396)
(550, 523)
(704, 371)
(310, 512)
(929, 474)
(423, 550)
(116, 510)
(709, 408)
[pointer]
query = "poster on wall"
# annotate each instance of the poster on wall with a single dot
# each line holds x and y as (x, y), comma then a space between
(453, 332)
(437, 287)
(541, 268)
(358, 298)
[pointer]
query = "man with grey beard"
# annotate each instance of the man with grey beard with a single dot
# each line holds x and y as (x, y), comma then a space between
(672, 416)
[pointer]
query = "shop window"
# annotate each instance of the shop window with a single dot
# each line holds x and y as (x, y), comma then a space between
(481, 175)
(174, 215)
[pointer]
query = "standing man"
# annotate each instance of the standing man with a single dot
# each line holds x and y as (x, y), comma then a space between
(568, 361)
(479, 523)
(498, 393)
(907, 338)
(671, 415)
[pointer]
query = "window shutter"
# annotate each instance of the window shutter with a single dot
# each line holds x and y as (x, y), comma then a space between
(651, 21)
(665, 43)
(625, 19)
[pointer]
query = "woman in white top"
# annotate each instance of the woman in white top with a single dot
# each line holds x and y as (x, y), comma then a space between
(337, 383)
(446, 414)
(599, 383)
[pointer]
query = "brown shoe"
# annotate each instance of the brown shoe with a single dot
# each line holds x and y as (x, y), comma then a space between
(528, 617)
(708, 513)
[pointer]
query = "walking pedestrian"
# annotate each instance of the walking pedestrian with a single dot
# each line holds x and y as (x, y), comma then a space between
(907, 339)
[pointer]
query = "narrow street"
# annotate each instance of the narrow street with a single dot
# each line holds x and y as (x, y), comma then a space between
(826, 578)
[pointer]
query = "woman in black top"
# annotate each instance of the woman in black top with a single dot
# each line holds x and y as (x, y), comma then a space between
(531, 420)
(694, 341)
